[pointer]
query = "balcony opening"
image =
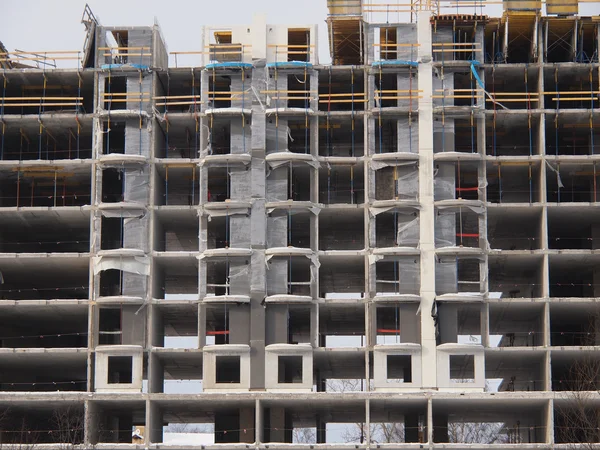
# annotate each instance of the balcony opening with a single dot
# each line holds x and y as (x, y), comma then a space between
(288, 228)
(510, 135)
(217, 325)
(177, 232)
(342, 184)
(219, 184)
(341, 137)
(386, 88)
(290, 369)
(516, 325)
(110, 326)
(458, 323)
(227, 369)
(217, 279)
(113, 424)
(462, 368)
(566, 135)
(399, 369)
(517, 182)
(219, 138)
(388, 40)
(111, 233)
(111, 283)
(518, 276)
(571, 183)
(386, 136)
(574, 325)
(219, 91)
(513, 88)
(342, 90)
(115, 93)
(176, 278)
(570, 277)
(456, 227)
(399, 228)
(515, 228)
(576, 422)
(177, 184)
(397, 324)
(298, 91)
(457, 274)
(219, 232)
(299, 48)
(572, 88)
(339, 231)
(289, 275)
(397, 183)
(514, 372)
(397, 275)
(342, 277)
(45, 186)
(113, 185)
(343, 326)
(120, 369)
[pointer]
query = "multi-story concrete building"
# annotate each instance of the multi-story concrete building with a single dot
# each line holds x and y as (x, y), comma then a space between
(396, 250)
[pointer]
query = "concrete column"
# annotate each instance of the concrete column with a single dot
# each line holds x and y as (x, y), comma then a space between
(258, 226)
(427, 229)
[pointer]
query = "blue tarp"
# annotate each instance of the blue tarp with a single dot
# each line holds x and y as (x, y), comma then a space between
(475, 74)
(124, 66)
(394, 62)
(229, 65)
(285, 64)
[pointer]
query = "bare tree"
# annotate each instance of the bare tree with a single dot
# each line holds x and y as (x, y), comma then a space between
(480, 433)
(304, 436)
(19, 436)
(68, 427)
(578, 413)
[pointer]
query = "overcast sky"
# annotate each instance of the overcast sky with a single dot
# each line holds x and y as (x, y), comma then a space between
(46, 25)
(51, 25)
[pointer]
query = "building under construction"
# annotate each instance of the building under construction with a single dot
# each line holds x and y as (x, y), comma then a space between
(242, 248)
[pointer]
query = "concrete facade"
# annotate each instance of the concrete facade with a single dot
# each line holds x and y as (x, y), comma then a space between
(395, 250)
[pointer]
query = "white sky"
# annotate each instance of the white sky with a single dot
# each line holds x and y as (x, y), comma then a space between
(52, 25)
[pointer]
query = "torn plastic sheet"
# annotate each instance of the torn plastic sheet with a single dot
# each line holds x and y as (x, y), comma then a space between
(123, 213)
(445, 229)
(408, 186)
(291, 210)
(277, 138)
(378, 164)
(446, 275)
(448, 209)
(136, 186)
(375, 211)
(558, 179)
(210, 213)
(374, 258)
(444, 188)
(238, 270)
(408, 231)
(139, 265)
(282, 162)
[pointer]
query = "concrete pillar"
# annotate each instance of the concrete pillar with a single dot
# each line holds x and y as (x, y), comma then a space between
(427, 228)
(258, 226)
